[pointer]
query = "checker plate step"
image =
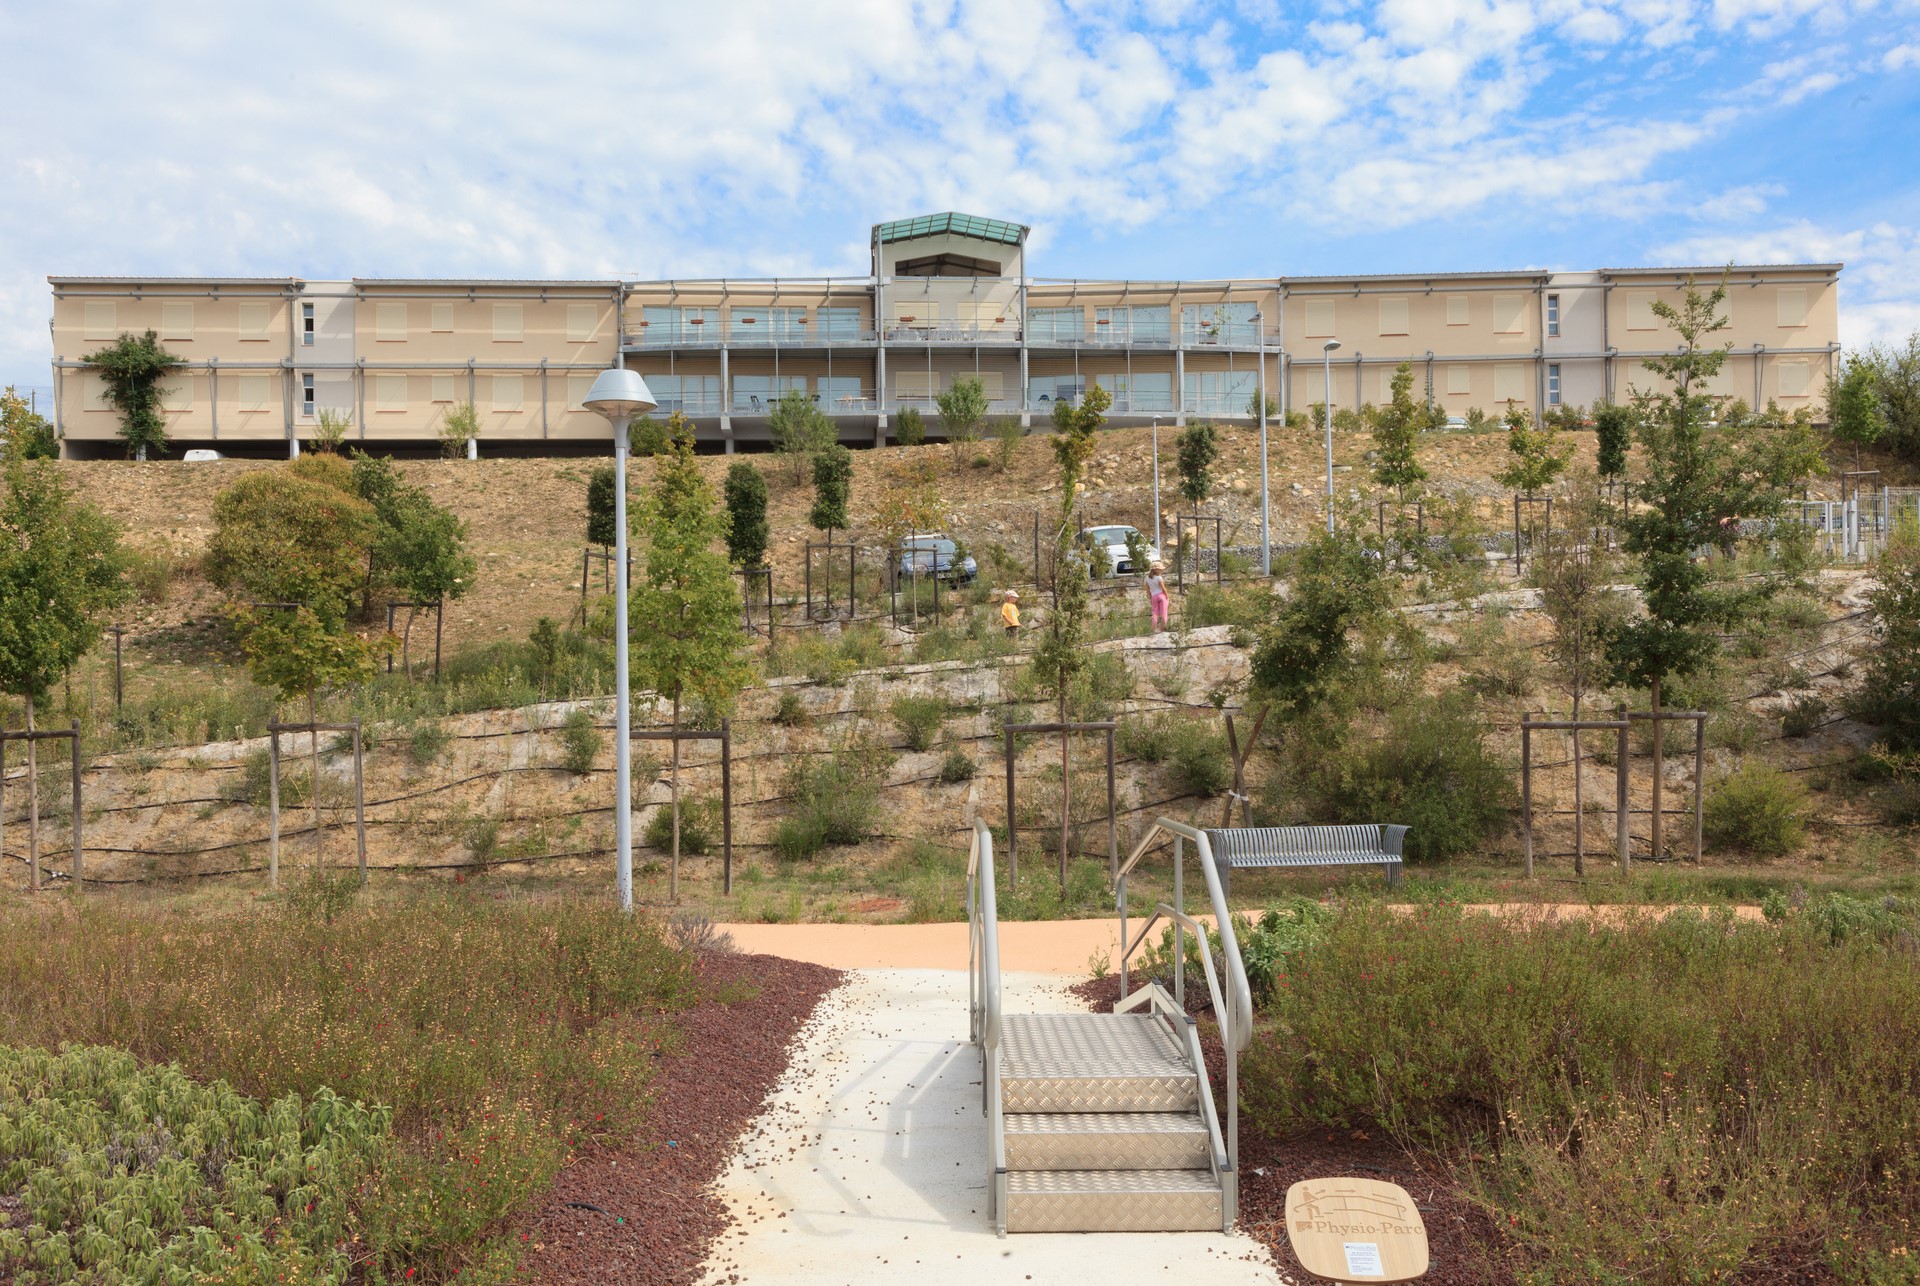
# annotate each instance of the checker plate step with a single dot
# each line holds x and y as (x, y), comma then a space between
(1106, 1141)
(1113, 1201)
(1092, 1063)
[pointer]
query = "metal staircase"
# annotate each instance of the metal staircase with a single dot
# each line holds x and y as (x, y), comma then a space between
(1106, 1122)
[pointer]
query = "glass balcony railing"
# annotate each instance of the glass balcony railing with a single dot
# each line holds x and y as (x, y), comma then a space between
(832, 402)
(745, 333)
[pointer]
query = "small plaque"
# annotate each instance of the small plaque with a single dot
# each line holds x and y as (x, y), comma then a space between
(1356, 1230)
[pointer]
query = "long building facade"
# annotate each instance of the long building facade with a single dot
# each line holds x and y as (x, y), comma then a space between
(946, 296)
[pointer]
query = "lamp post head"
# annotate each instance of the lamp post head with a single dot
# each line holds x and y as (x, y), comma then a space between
(619, 394)
(1327, 347)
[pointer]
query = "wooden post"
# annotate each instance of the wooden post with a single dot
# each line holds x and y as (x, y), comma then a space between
(1659, 770)
(726, 805)
(1623, 816)
(273, 804)
(1113, 817)
(439, 615)
(359, 802)
(1013, 850)
(1526, 788)
(1699, 783)
(79, 843)
(313, 789)
(117, 633)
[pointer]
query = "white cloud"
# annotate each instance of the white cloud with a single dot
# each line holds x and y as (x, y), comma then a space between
(1901, 57)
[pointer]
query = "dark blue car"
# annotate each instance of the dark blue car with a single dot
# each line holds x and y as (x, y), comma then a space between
(935, 555)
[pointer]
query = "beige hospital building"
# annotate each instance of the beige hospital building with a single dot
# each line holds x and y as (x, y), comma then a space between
(946, 296)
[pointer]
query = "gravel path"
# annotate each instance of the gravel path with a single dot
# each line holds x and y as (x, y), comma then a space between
(869, 1164)
(646, 1213)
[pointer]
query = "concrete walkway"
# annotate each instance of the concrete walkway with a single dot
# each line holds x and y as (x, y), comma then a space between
(869, 1163)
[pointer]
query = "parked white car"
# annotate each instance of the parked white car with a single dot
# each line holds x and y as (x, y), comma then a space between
(1113, 539)
(200, 454)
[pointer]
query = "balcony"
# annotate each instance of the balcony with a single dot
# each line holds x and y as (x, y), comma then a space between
(849, 402)
(908, 329)
(713, 333)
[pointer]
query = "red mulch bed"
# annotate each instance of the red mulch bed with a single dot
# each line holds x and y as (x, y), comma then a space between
(656, 1213)
(1465, 1248)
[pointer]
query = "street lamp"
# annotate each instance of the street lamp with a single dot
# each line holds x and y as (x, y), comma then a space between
(1157, 533)
(1266, 538)
(1326, 353)
(620, 394)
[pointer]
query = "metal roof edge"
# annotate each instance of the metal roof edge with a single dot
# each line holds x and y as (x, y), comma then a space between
(1709, 270)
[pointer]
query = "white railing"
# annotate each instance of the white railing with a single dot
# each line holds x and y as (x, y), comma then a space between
(983, 1007)
(902, 331)
(1233, 1007)
(744, 334)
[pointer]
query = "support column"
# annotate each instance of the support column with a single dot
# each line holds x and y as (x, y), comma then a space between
(1180, 386)
(1026, 405)
(726, 402)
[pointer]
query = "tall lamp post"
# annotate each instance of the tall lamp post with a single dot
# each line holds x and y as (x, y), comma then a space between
(620, 394)
(1326, 354)
(1157, 533)
(1266, 538)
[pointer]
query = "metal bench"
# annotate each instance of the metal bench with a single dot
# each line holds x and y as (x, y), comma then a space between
(1265, 847)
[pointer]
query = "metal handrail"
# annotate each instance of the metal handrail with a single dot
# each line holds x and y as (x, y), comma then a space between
(1235, 1015)
(983, 1008)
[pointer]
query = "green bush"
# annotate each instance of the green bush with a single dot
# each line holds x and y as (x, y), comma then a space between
(699, 827)
(790, 711)
(958, 766)
(254, 784)
(1243, 606)
(1803, 714)
(835, 800)
(1716, 1089)
(1149, 738)
(1198, 762)
(909, 427)
(919, 719)
(581, 741)
(1756, 809)
(1429, 770)
(427, 743)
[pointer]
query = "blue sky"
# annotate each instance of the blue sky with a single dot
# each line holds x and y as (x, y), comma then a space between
(1159, 138)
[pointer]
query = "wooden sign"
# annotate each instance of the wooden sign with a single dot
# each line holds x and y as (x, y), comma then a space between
(1356, 1230)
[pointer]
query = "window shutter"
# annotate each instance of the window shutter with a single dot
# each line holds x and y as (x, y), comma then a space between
(1319, 319)
(582, 321)
(254, 392)
(176, 321)
(255, 319)
(1393, 316)
(1459, 378)
(1793, 378)
(1793, 305)
(389, 323)
(1509, 313)
(390, 393)
(1456, 310)
(443, 388)
(509, 323)
(441, 318)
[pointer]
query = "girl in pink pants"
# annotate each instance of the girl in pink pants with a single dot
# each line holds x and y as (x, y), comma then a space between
(1157, 594)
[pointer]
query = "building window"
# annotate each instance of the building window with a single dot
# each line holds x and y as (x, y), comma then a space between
(509, 323)
(509, 392)
(837, 325)
(583, 323)
(306, 325)
(1794, 377)
(176, 321)
(389, 323)
(1459, 379)
(1319, 319)
(1393, 315)
(1640, 311)
(1509, 314)
(1793, 305)
(1044, 391)
(1219, 392)
(442, 388)
(390, 394)
(1553, 383)
(1457, 310)
(97, 321)
(441, 318)
(1509, 382)
(841, 394)
(1056, 325)
(1553, 314)
(255, 320)
(786, 325)
(254, 391)
(306, 396)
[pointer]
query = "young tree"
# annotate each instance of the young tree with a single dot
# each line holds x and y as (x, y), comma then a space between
(282, 537)
(800, 430)
(832, 480)
(1612, 435)
(1538, 457)
(24, 433)
(1854, 413)
(746, 493)
(298, 654)
(963, 409)
(600, 528)
(331, 432)
(1396, 433)
(1304, 652)
(1890, 695)
(459, 430)
(1061, 657)
(132, 368)
(1197, 449)
(420, 548)
(685, 613)
(909, 427)
(1699, 481)
(1897, 378)
(61, 568)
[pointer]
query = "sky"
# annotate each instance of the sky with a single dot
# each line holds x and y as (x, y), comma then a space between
(1138, 138)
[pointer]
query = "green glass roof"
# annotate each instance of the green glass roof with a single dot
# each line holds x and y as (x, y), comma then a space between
(964, 225)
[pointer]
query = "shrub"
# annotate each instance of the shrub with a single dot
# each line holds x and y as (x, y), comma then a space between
(699, 826)
(254, 785)
(836, 800)
(1802, 715)
(919, 719)
(1197, 761)
(1430, 770)
(790, 711)
(958, 766)
(580, 742)
(1007, 434)
(1149, 739)
(1243, 606)
(427, 743)
(909, 427)
(1756, 809)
